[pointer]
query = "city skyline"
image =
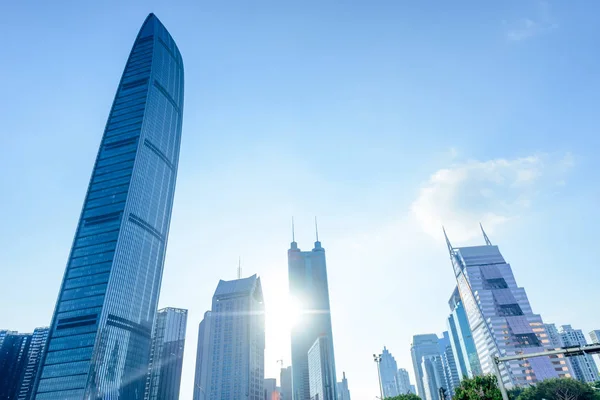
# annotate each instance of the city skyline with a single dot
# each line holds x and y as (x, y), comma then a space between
(382, 142)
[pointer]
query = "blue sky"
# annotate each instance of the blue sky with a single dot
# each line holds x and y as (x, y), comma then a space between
(386, 119)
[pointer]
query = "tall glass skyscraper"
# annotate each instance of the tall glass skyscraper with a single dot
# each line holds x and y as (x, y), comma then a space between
(343, 389)
(231, 363)
(166, 360)
(321, 379)
(500, 316)
(449, 363)
(422, 347)
(389, 374)
(99, 342)
(404, 385)
(38, 342)
(461, 339)
(14, 351)
(308, 287)
(201, 383)
(583, 366)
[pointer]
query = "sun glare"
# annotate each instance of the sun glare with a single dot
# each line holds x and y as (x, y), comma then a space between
(285, 312)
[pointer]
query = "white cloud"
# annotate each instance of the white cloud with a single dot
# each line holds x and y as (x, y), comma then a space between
(491, 192)
(528, 27)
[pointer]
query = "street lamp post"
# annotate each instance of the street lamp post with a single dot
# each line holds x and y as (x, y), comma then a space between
(377, 359)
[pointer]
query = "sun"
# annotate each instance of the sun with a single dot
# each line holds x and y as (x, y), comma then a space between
(285, 311)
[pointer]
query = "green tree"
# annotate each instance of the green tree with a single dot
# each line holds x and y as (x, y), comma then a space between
(408, 396)
(478, 388)
(560, 389)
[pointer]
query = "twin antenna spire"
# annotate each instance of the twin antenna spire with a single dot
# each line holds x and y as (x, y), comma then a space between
(294, 232)
(239, 270)
(450, 248)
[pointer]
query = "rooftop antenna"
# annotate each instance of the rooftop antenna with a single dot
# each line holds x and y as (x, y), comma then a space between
(239, 270)
(485, 236)
(293, 232)
(316, 229)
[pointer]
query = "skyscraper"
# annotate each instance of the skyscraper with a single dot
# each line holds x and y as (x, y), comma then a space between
(404, 385)
(99, 342)
(583, 366)
(270, 388)
(423, 346)
(433, 376)
(285, 380)
(595, 336)
(13, 362)
(500, 316)
(201, 383)
(321, 378)
(343, 389)
(451, 376)
(166, 357)
(461, 339)
(554, 336)
(388, 370)
(236, 342)
(309, 289)
(38, 342)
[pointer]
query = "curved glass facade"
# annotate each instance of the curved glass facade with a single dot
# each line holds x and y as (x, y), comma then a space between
(99, 340)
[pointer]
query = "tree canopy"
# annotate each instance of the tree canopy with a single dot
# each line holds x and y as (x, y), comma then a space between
(408, 396)
(560, 389)
(478, 388)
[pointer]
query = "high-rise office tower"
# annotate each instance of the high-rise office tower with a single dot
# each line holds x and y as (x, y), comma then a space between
(235, 367)
(595, 336)
(13, 361)
(343, 389)
(451, 376)
(584, 367)
(556, 342)
(166, 357)
(404, 385)
(461, 339)
(421, 347)
(270, 388)
(433, 376)
(309, 289)
(285, 380)
(4, 333)
(99, 342)
(321, 379)
(554, 336)
(38, 342)
(500, 316)
(201, 383)
(388, 369)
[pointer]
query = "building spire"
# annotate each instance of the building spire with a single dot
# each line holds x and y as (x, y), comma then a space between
(239, 270)
(316, 229)
(293, 232)
(450, 248)
(485, 236)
